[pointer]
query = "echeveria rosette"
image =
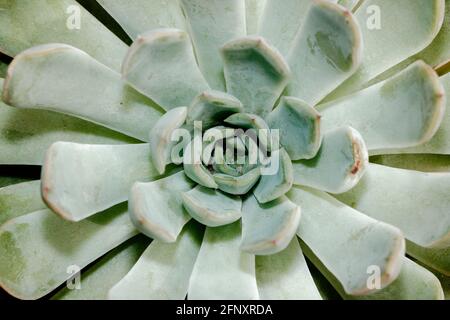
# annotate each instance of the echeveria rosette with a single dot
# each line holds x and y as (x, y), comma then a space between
(237, 64)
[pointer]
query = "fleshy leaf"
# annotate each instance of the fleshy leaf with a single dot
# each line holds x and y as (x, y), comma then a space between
(272, 186)
(237, 185)
(19, 199)
(326, 51)
(299, 126)
(212, 107)
(339, 164)
(105, 273)
(281, 20)
(403, 111)
(438, 259)
(285, 275)
(79, 180)
(440, 142)
(211, 207)
(156, 208)
(39, 247)
(25, 135)
(193, 165)
(161, 65)
(255, 73)
(222, 271)
(413, 201)
(390, 38)
(253, 12)
(347, 242)
(163, 270)
(62, 78)
(211, 24)
(268, 228)
(24, 24)
(136, 17)
(161, 134)
(413, 283)
(252, 121)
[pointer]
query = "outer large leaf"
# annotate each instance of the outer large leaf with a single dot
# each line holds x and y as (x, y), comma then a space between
(39, 247)
(163, 270)
(79, 180)
(438, 259)
(161, 64)
(403, 111)
(62, 78)
(326, 51)
(105, 273)
(281, 20)
(253, 10)
(285, 275)
(415, 202)
(222, 271)
(398, 37)
(25, 135)
(19, 199)
(440, 142)
(347, 242)
(211, 24)
(24, 24)
(139, 16)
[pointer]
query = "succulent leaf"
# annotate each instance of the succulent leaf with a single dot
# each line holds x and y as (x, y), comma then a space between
(27, 134)
(193, 165)
(440, 142)
(281, 20)
(139, 16)
(273, 186)
(253, 12)
(161, 64)
(37, 26)
(212, 208)
(211, 24)
(285, 275)
(105, 273)
(438, 259)
(255, 73)
(222, 271)
(403, 111)
(413, 283)
(163, 270)
(19, 199)
(211, 107)
(339, 164)
(61, 78)
(347, 242)
(390, 37)
(161, 134)
(299, 126)
(268, 228)
(237, 185)
(40, 246)
(156, 208)
(253, 122)
(326, 51)
(80, 180)
(413, 201)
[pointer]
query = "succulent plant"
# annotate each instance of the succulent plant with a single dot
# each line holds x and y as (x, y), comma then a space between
(228, 142)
